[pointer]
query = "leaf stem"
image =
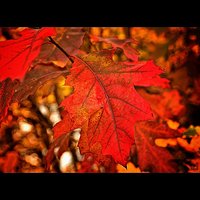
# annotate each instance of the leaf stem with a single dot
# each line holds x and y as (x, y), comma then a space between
(59, 47)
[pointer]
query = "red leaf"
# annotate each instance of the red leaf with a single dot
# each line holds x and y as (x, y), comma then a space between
(17, 55)
(129, 51)
(151, 157)
(146, 74)
(104, 96)
(167, 104)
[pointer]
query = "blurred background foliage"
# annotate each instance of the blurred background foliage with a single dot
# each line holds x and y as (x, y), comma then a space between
(26, 135)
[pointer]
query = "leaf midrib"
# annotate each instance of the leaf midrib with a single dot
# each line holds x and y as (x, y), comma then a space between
(107, 98)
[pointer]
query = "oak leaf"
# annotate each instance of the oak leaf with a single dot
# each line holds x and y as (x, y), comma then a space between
(36, 78)
(106, 101)
(151, 157)
(17, 55)
(125, 45)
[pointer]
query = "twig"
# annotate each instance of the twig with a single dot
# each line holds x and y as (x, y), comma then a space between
(59, 47)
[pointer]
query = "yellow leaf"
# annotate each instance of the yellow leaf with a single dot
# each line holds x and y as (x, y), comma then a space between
(130, 168)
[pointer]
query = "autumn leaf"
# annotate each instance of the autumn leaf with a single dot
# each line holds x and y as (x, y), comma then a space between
(11, 92)
(60, 142)
(70, 39)
(151, 157)
(125, 45)
(36, 78)
(104, 95)
(131, 168)
(17, 55)
(167, 104)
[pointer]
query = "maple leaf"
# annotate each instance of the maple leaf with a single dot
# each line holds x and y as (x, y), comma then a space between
(17, 55)
(151, 157)
(104, 96)
(129, 51)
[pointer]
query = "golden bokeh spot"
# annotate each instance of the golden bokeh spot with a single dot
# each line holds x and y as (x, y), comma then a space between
(166, 142)
(172, 124)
